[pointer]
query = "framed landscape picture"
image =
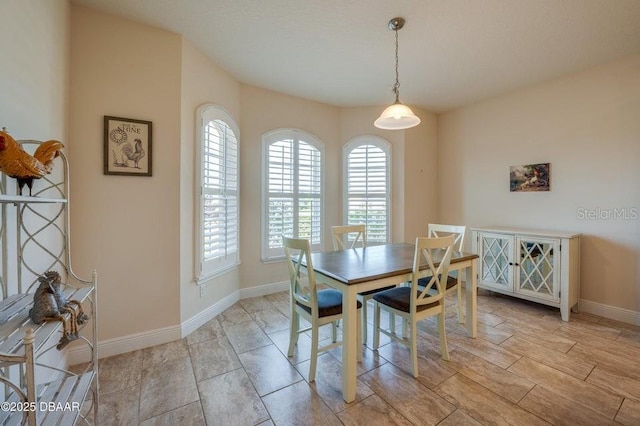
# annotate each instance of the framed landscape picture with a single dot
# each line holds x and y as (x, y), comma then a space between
(530, 178)
(127, 146)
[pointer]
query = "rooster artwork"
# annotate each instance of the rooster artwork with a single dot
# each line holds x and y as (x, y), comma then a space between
(17, 163)
(127, 147)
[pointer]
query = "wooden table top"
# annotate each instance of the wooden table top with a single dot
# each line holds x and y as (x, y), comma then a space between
(353, 266)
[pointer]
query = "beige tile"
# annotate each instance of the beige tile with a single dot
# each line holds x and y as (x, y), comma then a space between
(484, 405)
(548, 340)
(572, 389)
(504, 383)
(372, 411)
(266, 423)
(629, 413)
(459, 418)
(230, 399)
(370, 359)
(432, 369)
(558, 410)
(246, 337)
(233, 316)
(120, 371)
(495, 354)
(188, 415)
(616, 347)
(540, 324)
(208, 331)
(606, 358)
(488, 333)
(280, 297)
(414, 401)
(624, 326)
(299, 404)
(489, 319)
(596, 329)
(328, 382)
(159, 354)
(166, 387)
(559, 360)
(255, 304)
(302, 349)
(268, 369)
(213, 357)
(616, 382)
(119, 408)
(271, 320)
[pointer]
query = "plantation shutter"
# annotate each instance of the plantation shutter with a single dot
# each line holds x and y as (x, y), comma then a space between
(219, 223)
(367, 190)
(294, 192)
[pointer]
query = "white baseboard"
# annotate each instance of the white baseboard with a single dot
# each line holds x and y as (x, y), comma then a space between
(263, 290)
(119, 345)
(202, 317)
(611, 312)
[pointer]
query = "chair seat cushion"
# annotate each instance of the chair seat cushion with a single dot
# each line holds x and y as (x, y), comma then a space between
(400, 298)
(329, 303)
(451, 281)
(377, 290)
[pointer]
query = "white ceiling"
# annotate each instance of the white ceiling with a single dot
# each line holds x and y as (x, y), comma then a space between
(340, 52)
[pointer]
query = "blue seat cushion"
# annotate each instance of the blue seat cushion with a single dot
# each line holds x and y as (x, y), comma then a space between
(329, 303)
(399, 298)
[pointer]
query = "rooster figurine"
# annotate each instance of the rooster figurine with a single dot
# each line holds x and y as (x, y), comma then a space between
(17, 163)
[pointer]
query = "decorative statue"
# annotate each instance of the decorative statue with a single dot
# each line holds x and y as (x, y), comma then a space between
(17, 163)
(49, 304)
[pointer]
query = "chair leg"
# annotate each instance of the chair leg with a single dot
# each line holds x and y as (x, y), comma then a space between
(314, 352)
(334, 331)
(294, 326)
(443, 336)
(364, 321)
(460, 311)
(359, 345)
(414, 348)
(392, 322)
(376, 325)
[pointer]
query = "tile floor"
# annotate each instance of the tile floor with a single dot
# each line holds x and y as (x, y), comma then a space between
(526, 367)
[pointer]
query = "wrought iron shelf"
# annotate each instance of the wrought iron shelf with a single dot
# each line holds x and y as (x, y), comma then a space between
(64, 400)
(24, 199)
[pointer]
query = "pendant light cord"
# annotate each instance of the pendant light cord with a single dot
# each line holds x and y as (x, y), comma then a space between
(396, 86)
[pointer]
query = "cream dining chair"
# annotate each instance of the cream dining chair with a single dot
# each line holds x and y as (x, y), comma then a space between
(348, 237)
(453, 283)
(413, 303)
(319, 307)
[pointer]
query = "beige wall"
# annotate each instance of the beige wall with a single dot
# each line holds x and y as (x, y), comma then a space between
(587, 126)
(125, 227)
(35, 68)
(263, 111)
(203, 82)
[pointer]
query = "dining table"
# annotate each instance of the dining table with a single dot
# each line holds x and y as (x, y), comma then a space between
(357, 270)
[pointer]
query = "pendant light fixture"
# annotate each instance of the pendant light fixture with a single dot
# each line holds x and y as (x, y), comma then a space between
(396, 116)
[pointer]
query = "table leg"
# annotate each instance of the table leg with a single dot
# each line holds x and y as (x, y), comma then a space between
(471, 282)
(349, 343)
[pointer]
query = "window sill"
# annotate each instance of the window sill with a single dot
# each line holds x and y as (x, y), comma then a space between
(201, 280)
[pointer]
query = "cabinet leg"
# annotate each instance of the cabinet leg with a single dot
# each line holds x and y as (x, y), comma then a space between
(565, 312)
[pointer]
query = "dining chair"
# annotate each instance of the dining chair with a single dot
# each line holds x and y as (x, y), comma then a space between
(341, 241)
(453, 283)
(318, 307)
(414, 304)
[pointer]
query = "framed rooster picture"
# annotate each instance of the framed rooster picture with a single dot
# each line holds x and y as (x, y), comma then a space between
(127, 146)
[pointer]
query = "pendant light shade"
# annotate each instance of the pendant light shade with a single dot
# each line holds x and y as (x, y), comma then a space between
(396, 116)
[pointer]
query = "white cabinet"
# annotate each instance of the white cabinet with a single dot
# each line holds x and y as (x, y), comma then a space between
(541, 266)
(34, 238)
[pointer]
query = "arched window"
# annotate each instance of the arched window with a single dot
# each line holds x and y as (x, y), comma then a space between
(218, 202)
(292, 188)
(367, 186)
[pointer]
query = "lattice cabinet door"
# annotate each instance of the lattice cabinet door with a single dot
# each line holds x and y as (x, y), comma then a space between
(496, 260)
(538, 268)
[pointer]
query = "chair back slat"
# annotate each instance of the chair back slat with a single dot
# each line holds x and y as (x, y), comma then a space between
(431, 251)
(339, 232)
(436, 230)
(302, 286)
